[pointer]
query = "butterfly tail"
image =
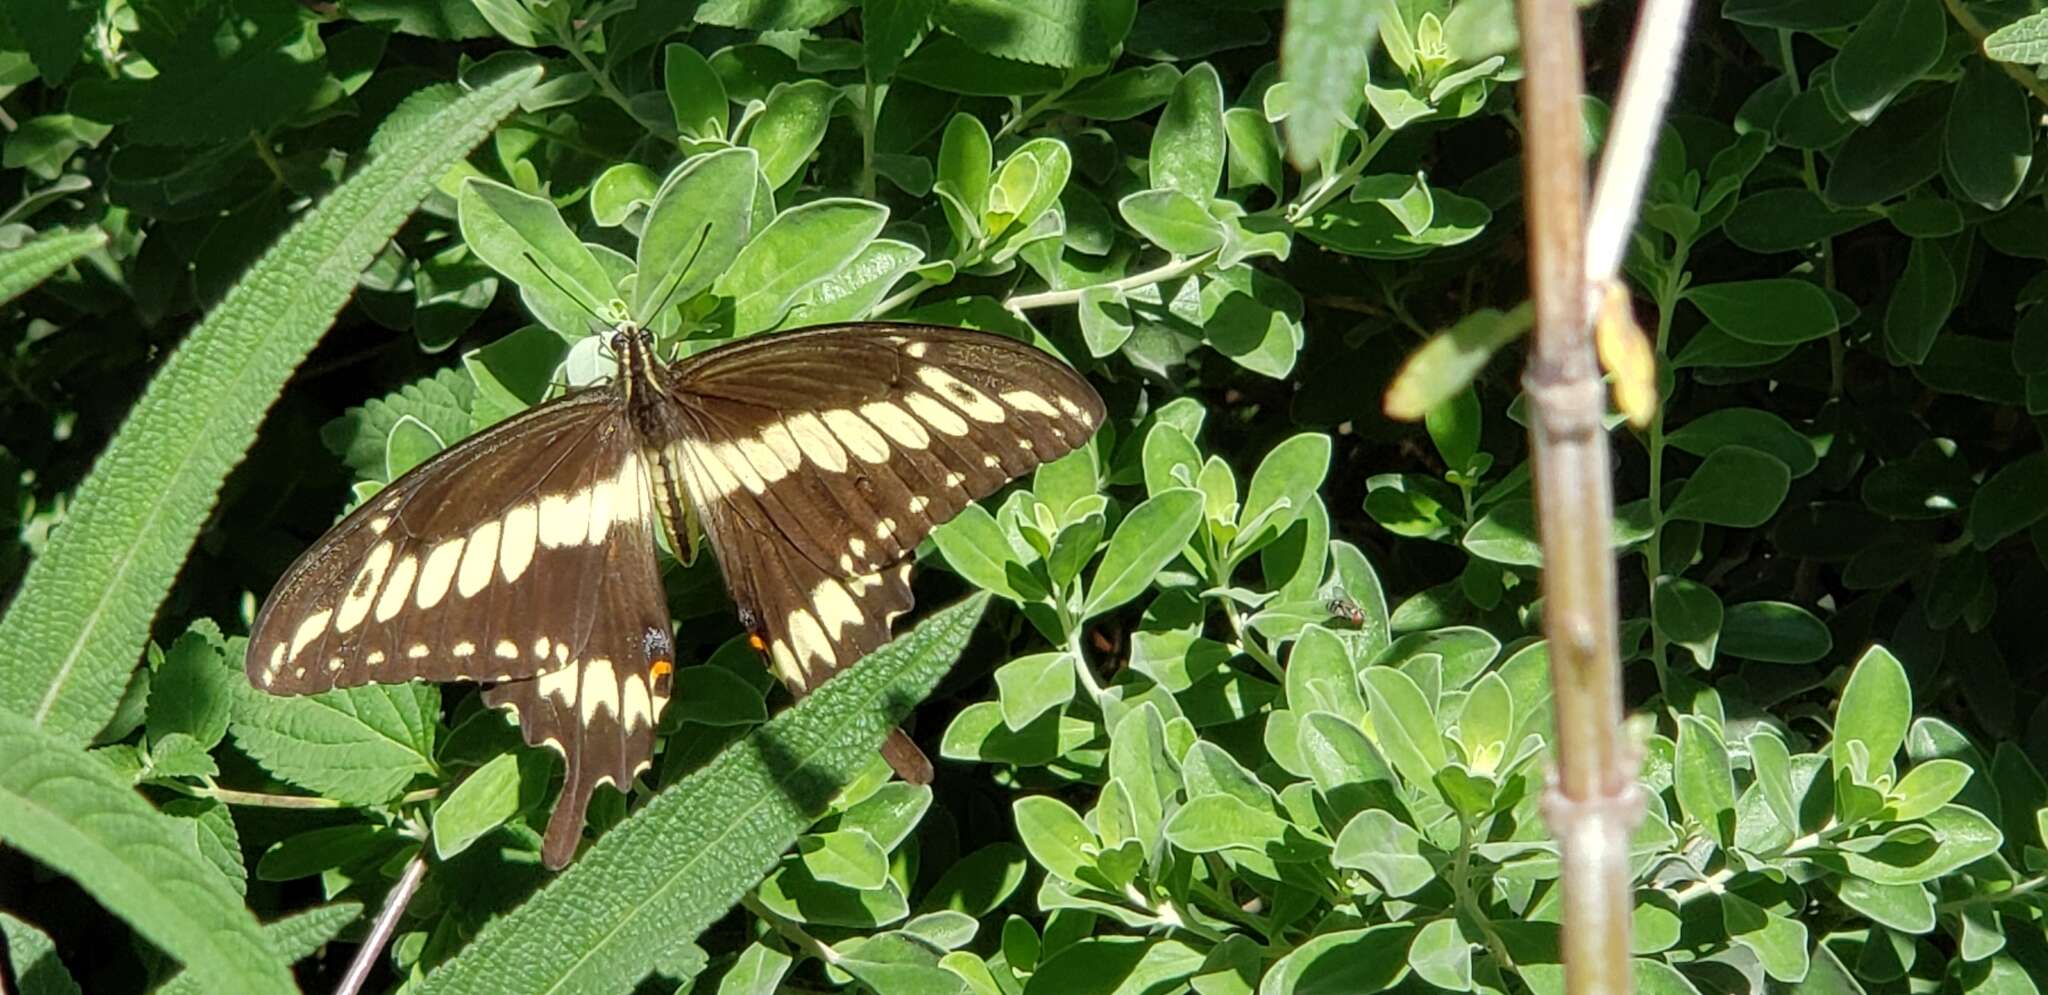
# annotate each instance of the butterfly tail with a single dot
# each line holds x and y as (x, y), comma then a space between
(906, 759)
(565, 824)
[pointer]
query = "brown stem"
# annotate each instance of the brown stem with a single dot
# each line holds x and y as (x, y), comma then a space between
(1593, 789)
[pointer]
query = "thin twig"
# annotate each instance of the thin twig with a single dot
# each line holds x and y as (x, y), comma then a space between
(373, 946)
(1056, 298)
(1632, 139)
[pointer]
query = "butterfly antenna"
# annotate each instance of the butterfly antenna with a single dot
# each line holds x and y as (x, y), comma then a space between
(675, 283)
(566, 292)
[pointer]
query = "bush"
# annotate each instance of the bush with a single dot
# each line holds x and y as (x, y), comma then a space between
(1250, 692)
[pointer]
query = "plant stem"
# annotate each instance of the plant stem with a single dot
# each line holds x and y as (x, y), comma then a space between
(902, 297)
(386, 924)
(1160, 274)
(1336, 184)
(790, 931)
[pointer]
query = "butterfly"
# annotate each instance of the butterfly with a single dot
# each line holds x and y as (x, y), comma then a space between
(813, 462)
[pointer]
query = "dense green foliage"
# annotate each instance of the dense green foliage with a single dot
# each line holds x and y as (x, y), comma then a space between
(1254, 697)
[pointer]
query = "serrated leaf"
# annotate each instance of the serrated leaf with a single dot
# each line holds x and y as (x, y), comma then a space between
(361, 436)
(680, 862)
(84, 608)
(360, 745)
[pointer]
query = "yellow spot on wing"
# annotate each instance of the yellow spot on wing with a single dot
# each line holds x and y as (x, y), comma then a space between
(363, 590)
(817, 442)
(437, 573)
(309, 629)
(1029, 400)
(479, 558)
(935, 414)
(515, 545)
(396, 587)
(959, 394)
(860, 438)
(897, 424)
(600, 690)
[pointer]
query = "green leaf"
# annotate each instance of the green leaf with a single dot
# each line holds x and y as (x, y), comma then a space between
(2010, 500)
(849, 858)
(1115, 965)
(889, 29)
(224, 72)
(1688, 613)
(1145, 542)
(362, 436)
(33, 958)
(802, 246)
(55, 33)
(1892, 155)
(770, 15)
(1951, 837)
(361, 745)
(525, 238)
(1123, 95)
(1754, 428)
(978, 883)
(1876, 706)
(1989, 143)
(695, 94)
(83, 610)
(852, 293)
(1213, 823)
(974, 547)
(787, 133)
(1173, 221)
(1387, 849)
(69, 812)
(1344, 962)
(1773, 632)
(696, 226)
(1920, 302)
(1056, 837)
(1254, 150)
(1405, 724)
(410, 443)
(1703, 779)
(481, 803)
(1927, 787)
(1735, 486)
(1030, 686)
(1446, 364)
(1063, 33)
(1895, 45)
(1283, 488)
(1788, 218)
(1187, 146)
(23, 267)
(194, 691)
(1442, 955)
(1323, 55)
(681, 861)
(2024, 41)
(1767, 312)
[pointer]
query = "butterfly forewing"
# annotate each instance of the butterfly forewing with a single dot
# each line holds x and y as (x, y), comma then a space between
(820, 459)
(477, 565)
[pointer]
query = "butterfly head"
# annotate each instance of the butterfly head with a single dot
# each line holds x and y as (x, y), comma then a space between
(633, 346)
